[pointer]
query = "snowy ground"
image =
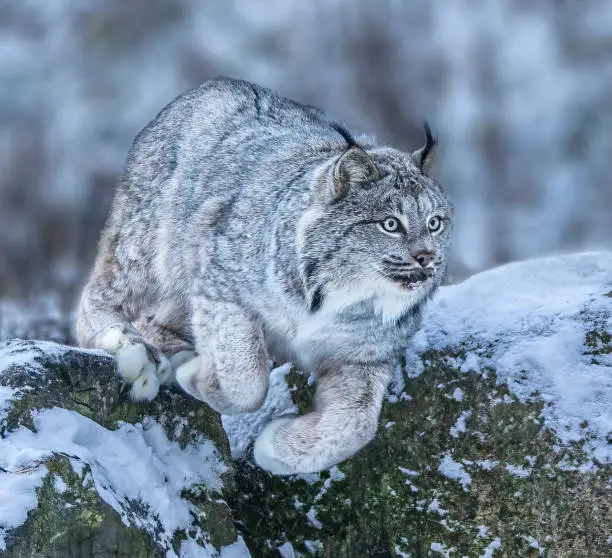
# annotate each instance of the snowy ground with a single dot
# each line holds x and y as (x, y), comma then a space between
(527, 321)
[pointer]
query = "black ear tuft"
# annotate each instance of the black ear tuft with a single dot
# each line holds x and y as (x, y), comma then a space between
(424, 157)
(430, 141)
(344, 133)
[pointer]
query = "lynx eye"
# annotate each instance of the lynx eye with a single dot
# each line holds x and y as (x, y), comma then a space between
(434, 224)
(391, 224)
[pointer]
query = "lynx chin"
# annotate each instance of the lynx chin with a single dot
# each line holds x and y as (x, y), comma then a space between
(246, 227)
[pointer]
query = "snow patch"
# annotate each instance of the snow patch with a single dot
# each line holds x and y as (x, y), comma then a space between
(19, 478)
(460, 425)
(434, 507)
(441, 548)
(453, 470)
(7, 394)
(495, 543)
(59, 485)
(312, 518)
(314, 547)
(470, 364)
(235, 550)
(335, 475)
(133, 463)
(286, 550)
(487, 464)
(17, 491)
(533, 543)
(518, 471)
(529, 321)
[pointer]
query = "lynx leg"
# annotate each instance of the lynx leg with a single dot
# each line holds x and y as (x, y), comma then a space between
(138, 363)
(344, 419)
(231, 371)
(103, 322)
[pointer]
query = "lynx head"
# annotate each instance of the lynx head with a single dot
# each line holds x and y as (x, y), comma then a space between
(379, 226)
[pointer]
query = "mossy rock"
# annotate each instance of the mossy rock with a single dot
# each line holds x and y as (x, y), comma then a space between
(72, 515)
(514, 483)
(71, 520)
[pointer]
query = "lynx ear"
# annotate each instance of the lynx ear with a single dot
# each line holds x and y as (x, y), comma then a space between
(355, 166)
(424, 157)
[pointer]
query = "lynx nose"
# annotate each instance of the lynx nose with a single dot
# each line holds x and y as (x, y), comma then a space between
(424, 258)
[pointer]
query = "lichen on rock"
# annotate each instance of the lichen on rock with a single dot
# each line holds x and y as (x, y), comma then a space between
(512, 480)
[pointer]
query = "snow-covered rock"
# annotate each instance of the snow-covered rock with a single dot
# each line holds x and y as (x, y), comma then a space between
(84, 471)
(494, 440)
(544, 327)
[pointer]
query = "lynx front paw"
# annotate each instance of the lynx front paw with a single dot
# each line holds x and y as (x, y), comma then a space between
(312, 442)
(137, 369)
(266, 451)
(227, 394)
(201, 384)
(137, 364)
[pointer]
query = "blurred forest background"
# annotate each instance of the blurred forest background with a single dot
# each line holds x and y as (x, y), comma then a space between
(519, 93)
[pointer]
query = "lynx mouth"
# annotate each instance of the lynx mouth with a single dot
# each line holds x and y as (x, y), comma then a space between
(411, 281)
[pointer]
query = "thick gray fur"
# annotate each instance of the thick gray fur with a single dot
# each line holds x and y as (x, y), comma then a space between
(246, 226)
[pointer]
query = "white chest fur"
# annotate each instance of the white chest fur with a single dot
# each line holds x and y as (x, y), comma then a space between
(389, 304)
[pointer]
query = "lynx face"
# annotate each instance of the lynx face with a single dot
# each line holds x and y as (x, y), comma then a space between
(384, 231)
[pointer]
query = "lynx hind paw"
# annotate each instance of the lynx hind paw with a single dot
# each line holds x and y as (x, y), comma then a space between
(136, 366)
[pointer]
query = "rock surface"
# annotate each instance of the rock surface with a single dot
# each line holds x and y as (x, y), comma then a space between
(494, 440)
(85, 472)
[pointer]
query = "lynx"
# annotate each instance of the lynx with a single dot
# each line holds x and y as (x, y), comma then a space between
(247, 227)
